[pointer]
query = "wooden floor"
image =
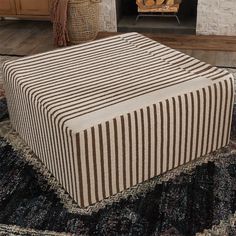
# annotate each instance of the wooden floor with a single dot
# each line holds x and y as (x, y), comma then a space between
(31, 37)
(25, 37)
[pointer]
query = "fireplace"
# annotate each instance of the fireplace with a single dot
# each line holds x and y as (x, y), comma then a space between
(179, 18)
(213, 18)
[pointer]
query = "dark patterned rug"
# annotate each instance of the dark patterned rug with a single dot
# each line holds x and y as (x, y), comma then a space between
(196, 199)
(185, 205)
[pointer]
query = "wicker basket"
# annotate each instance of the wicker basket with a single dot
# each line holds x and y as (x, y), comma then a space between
(83, 20)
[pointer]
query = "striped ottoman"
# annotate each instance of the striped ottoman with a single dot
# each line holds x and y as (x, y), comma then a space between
(107, 115)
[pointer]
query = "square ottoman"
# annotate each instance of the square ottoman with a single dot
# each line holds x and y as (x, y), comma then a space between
(106, 115)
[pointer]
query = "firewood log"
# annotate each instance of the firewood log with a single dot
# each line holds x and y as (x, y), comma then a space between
(170, 2)
(140, 4)
(159, 2)
(149, 3)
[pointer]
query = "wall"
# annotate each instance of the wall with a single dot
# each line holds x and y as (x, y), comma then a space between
(108, 21)
(216, 17)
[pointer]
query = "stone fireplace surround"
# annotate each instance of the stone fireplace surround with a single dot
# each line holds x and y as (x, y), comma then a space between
(214, 17)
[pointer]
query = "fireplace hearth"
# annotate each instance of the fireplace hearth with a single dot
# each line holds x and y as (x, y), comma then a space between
(143, 16)
(158, 8)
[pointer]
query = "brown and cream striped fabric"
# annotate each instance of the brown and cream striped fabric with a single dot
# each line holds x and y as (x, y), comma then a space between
(107, 115)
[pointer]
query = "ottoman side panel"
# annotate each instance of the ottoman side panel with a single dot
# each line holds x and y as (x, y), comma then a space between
(9, 78)
(134, 147)
(24, 114)
(37, 127)
(20, 111)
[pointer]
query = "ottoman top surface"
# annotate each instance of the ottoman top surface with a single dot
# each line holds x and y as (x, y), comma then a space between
(95, 81)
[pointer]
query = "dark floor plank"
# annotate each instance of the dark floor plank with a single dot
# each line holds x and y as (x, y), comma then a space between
(25, 37)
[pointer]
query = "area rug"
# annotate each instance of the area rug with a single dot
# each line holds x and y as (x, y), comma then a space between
(188, 200)
(185, 202)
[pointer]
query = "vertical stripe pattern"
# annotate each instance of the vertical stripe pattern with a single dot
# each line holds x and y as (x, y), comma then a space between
(47, 98)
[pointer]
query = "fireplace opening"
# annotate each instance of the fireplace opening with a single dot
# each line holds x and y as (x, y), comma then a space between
(157, 16)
